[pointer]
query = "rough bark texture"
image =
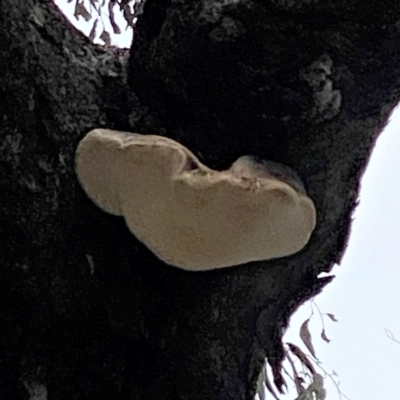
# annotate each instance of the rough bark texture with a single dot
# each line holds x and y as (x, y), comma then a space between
(86, 311)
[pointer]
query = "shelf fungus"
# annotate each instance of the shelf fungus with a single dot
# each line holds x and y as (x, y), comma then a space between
(187, 214)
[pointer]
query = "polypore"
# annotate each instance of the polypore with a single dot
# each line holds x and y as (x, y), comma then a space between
(187, 214)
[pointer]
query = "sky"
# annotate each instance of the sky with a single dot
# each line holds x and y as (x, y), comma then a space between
(365, 296)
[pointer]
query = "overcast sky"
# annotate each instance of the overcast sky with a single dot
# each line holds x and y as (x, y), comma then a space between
(365, 296)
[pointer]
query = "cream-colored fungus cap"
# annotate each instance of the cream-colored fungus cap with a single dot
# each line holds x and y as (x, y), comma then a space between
(187, 214)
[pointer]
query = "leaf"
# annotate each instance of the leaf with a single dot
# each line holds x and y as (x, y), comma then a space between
(80, 11)
(298, 381)
(317, 387)
(269, 386)
(94, 4)
(305, 336)
(114, 25)
(315, 391)
(260, 384)
(302, 357)
(128, 15)
(92, 33)
(324, 337)
(105, 37)
(332, 317)
(279, 381)
(390, 335)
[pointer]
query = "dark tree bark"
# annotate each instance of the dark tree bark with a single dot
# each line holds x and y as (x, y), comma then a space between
(85, 309)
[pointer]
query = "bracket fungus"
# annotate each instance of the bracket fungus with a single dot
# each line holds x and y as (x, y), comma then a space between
(187, 214)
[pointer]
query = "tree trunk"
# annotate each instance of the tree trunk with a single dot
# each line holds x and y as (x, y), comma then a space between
(86, 310)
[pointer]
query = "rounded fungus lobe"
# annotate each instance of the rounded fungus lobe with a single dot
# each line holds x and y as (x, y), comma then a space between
(187, 214)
